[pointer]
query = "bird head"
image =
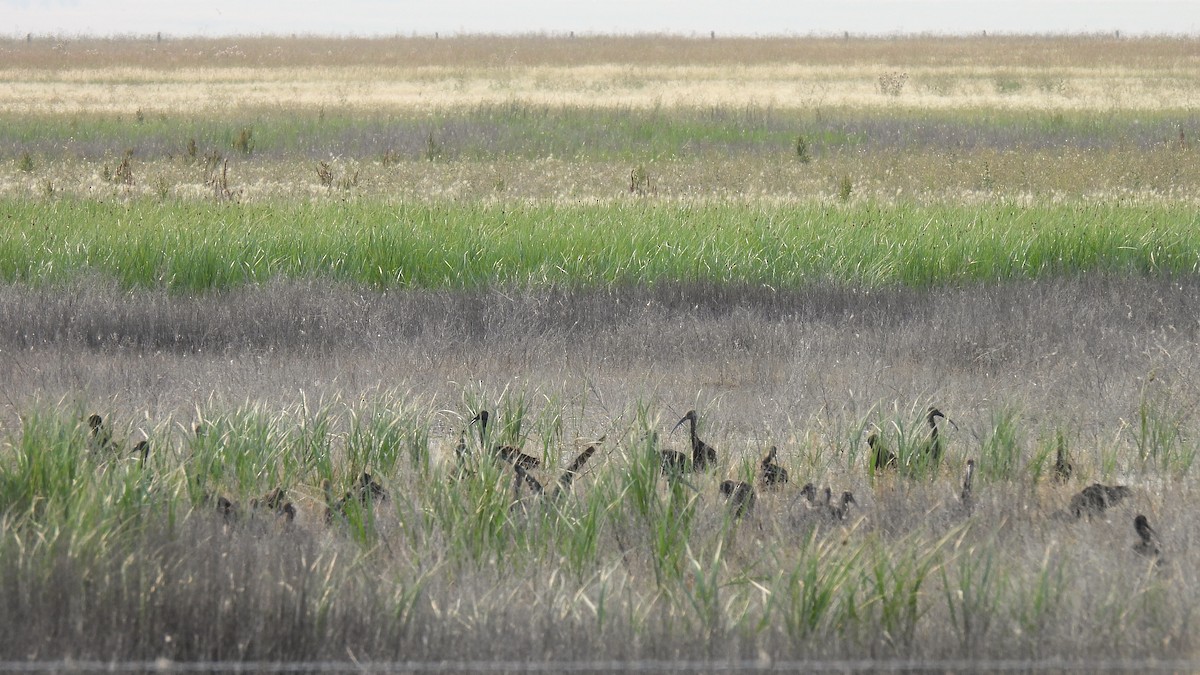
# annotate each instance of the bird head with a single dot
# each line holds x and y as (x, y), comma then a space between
(1142, 525)
(809, 491)
(691, 415)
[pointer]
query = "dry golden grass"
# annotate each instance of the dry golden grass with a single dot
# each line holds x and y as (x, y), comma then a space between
(424, 73)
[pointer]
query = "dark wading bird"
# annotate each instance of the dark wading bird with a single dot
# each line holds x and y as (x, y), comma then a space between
(933, 446)
(810, 494)
(1095, 498)
(1148, 544)
(506, 452)
(740, 495)
(841, 509)
(101, 436)
(141, 451)
(703, 454)
(881, 456)
(276, 502)
(772, 474)
(564, 481)
(364, 491)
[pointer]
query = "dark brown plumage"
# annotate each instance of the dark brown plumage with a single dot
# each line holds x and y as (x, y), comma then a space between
(564, 481)
(674, 463)
(881, 456)
(810, 493)
(840, 510)
(933, 446)
(142, 451)
(703, 454)
(1094, 499)
(1147, 545)
(101, 436)
(772, 474)
(508, 453)
(364, 491)
(740, 495)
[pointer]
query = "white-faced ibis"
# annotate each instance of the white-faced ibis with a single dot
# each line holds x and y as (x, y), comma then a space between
(772, 474)
(740, 495)
(674, 463)
(365, 490)
(1148, 540)
(276, 502)
(966, 497)
(226, 507)
(506, 452)
(101, 435)
(933, 446)
(881, 456)
(841, 509)
(1062, 467)
(810, 493)
(1095, 498)
(703, 454)
(142, 451)
(287, 512)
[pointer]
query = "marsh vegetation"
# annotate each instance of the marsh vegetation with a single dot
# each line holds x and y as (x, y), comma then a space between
(314, 300)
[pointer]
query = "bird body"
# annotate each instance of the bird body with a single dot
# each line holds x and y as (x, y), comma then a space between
(675, 463)
(881, 456)
(1094, 499)
(933, 446)
(740, 495)
(564, 481)
(810, 494)
(101, 435)
(841, 509)
(772, 474)
(276, 502)
(1147, 545)
(142, 451)
(364, 491)
(508, 453)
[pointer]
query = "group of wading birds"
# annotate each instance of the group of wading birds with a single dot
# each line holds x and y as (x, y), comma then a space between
(741, 496)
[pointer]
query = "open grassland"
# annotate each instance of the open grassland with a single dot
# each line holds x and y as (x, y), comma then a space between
(331, 254)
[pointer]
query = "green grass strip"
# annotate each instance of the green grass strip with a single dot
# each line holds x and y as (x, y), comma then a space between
(192, 246)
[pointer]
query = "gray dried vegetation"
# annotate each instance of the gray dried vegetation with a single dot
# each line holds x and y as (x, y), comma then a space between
(1093, 359)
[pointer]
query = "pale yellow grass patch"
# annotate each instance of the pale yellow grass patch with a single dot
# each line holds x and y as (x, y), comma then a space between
(612, 85)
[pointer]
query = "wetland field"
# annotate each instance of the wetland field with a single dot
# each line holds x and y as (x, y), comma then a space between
(308, 264)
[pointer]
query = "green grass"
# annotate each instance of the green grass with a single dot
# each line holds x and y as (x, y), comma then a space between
(201, 246)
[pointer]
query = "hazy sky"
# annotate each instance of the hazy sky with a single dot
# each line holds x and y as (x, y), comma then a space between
(726, 17)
